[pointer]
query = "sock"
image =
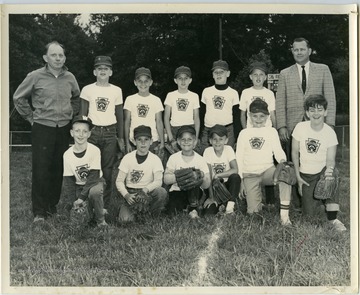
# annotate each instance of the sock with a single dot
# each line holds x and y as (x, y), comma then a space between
(331, 215)
(230, 206)
(284, 210)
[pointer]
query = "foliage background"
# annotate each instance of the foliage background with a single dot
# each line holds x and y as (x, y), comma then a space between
(163, 42)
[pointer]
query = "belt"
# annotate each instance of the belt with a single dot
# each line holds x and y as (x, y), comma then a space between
(228, 125)
(105, 127)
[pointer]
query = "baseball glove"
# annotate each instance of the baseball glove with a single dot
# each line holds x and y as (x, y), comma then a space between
(327, 186)
(80, 214)
(142, 201)
(220, 193)
(188, 178)
(285, 172)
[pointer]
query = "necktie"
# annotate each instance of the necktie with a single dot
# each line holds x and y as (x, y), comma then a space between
(303, 79)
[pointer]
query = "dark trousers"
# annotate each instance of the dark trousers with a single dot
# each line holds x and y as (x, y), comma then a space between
(104, 137)
(48, 147)
(180, 200)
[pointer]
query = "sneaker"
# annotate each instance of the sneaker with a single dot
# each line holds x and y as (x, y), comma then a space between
(102, 224)
(38, 218)
(230, 207)
(194, 214)
(337, 225)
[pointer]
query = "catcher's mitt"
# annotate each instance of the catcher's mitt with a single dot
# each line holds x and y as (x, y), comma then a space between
(80, 214)
(285, 172)
(188, 178)
(327, 186)
(142, 201)
(220, 193)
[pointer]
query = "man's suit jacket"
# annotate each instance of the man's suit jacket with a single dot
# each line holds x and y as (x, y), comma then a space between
(290, 97)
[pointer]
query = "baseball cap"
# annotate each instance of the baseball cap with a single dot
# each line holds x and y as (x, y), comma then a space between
(220, 64)
(186, 128)
(218, 129)
(142, 130)
(82, 119)
(182, 70)
(258, 66)
(142, 71)
(103, 60)
(259, 106)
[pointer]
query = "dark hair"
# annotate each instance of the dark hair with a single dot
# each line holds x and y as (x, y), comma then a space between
(301, 39)
(315, 100)
(53, 43)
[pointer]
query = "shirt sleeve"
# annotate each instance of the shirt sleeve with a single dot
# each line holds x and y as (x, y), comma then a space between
(21, 98)
(242, 104)
(236, 98)
(196, 101)
(119, 97)
(239, 153)
(271, 101)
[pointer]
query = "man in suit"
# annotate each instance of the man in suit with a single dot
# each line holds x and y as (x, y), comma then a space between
(297, 82)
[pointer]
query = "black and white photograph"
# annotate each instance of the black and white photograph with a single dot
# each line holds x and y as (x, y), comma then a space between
(179, 149)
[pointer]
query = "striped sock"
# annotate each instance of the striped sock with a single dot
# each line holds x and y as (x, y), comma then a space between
(284, 211)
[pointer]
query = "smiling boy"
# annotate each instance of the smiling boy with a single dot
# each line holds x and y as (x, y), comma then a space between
(82, 171)
(256, 148)
(314, 146)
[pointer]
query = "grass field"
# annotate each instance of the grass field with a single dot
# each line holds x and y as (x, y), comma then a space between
(236, 250)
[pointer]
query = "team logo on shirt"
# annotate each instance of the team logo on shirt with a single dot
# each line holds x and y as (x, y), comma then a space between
(219, 168)
(312, 145)
(136, 176)
(256, 143)
(182, 104)
(83, 171)
(102, 104)
(143, 110)
(218, 102)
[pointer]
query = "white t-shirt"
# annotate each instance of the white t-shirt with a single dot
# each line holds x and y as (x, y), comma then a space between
(222, 163)
(143, 112)
(249, 94)
(176, 161)
(102, 102)
(313, 146)
(182, 107)
(219, 104)
(140, 175)
(255, 149)
(80, 167)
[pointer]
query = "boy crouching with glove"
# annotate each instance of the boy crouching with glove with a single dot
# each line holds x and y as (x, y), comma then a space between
(188, 174)
(83, 175)
(140, 178)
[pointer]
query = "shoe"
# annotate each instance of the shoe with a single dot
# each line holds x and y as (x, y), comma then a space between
(102, 224)
(286, 222)
(38, 218)
(337, 225)
(193, 214)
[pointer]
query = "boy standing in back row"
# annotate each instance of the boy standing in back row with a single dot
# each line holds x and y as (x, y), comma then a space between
(181, 106)
(219, 100)
(144, 108)
(258, 71)
(103, 103)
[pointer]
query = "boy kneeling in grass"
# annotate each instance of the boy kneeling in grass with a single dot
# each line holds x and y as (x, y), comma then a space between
(222, 164)
(256, 147)
(179, 199)
(313, 152)
(140, 179)
(82, 171)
